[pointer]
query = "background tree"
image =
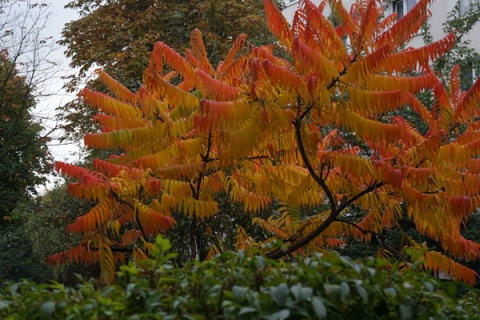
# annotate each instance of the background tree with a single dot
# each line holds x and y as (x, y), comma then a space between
(24, 69)
(18, 259)
(37, 230)
(23, 148)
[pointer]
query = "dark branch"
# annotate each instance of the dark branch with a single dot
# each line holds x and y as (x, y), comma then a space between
(372, 187)
(315, 233)
(137, 220)
(373, 233)
(298, 126)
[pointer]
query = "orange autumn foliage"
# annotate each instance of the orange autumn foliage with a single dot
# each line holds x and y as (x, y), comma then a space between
(321, 130)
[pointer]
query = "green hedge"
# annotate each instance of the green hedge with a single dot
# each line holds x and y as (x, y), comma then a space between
(236, 286)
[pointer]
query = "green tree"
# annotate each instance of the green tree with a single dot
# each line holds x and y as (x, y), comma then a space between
(24, 156)
(37, 230)
(17, 257)
(24, 69)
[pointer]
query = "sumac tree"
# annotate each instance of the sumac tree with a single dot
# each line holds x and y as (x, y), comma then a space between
(317, 133)
(119, 36)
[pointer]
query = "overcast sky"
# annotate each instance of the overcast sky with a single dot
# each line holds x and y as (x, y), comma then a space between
(59, 16)
(46, 108)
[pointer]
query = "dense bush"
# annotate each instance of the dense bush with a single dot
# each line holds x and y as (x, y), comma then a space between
(246, 287)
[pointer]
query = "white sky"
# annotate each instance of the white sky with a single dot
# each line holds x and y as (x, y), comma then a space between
(46, 108)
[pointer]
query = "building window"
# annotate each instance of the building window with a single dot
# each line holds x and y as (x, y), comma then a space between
(468, 76)
(401, 7)
(346, 42)
(398, 8)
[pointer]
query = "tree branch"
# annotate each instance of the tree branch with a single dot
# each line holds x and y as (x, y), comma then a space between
(298, 132)
(315, 233)
(372, 187)
(377, 235)
(137, 220)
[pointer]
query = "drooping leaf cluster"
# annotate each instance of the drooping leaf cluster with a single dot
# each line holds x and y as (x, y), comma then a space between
(119, 37)
(264, 129)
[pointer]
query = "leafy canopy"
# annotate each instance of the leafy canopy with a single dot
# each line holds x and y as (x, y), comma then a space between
(316, 132)
(119, 36)
(24, 156)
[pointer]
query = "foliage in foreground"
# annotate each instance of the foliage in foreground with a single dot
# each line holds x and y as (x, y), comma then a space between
(246, 287)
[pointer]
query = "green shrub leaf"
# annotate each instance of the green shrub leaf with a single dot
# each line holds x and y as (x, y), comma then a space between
(319, 307)
(280, 294)
(46, 310)
(247, 310)
(281, 315)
